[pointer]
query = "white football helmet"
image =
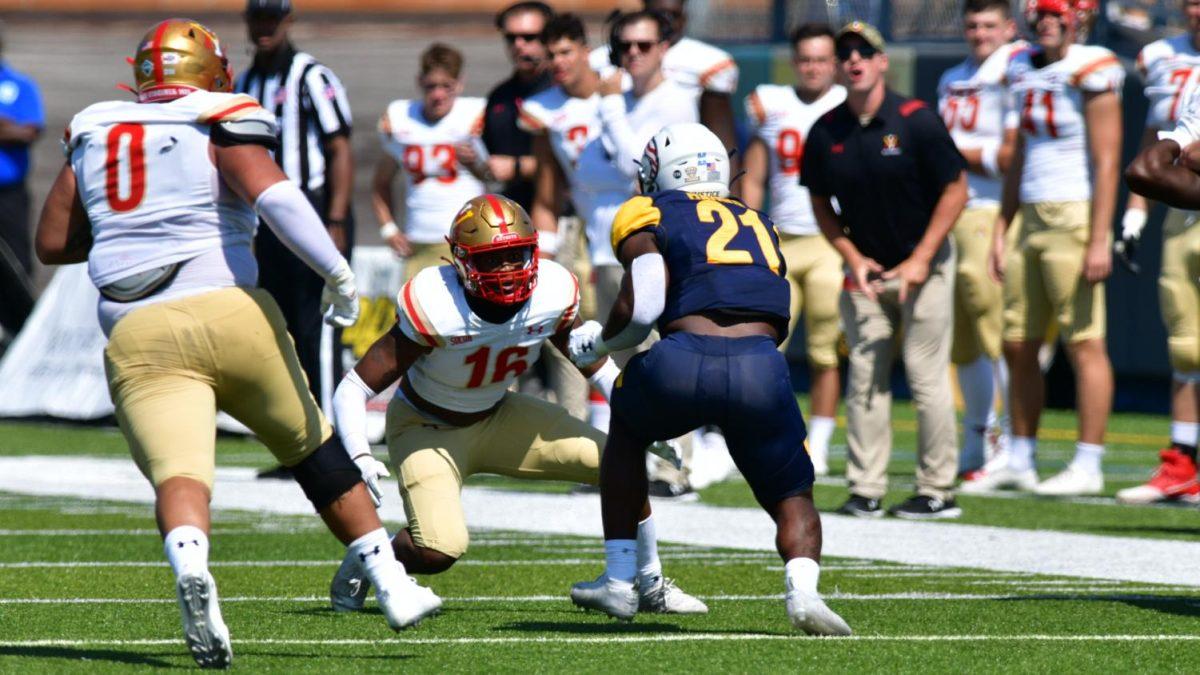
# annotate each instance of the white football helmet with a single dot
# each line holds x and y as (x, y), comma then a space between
(685, 157)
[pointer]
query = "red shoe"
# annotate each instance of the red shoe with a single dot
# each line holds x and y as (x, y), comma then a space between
(1175, 479)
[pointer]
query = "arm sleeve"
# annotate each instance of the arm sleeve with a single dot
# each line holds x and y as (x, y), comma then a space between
(292, 218)
(648, 276)
(814, 168)
(350, 414)
(329, 100)
(618, 134)
(939, 157)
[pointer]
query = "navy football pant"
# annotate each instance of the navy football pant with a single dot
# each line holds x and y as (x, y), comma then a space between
(741, 385)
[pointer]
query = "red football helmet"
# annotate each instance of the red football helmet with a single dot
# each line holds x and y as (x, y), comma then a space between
(1076, 15)
(494, 249)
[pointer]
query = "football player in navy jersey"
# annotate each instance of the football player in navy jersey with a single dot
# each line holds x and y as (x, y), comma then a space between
(706, 270)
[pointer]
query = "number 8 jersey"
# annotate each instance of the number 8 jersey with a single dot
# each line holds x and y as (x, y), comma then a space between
(721, 255)
(1046, 104)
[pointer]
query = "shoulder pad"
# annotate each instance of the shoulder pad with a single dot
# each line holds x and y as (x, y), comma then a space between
(635, 215)
(253, 130)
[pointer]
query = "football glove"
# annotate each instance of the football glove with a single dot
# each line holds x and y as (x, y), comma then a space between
(339, 299)
(585, 345)
(372, 470)
(1132, 224)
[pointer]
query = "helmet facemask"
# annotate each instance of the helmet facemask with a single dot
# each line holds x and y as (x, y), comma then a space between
(503, 273)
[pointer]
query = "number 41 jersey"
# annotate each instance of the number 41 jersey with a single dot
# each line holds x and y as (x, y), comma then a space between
(721, 255)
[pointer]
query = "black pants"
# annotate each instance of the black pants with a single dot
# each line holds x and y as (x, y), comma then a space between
(16, 258)
(297, 291)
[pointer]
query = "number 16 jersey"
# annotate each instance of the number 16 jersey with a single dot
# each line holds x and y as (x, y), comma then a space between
(721, 255)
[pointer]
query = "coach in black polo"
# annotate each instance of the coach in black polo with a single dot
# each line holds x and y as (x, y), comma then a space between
(900, 184)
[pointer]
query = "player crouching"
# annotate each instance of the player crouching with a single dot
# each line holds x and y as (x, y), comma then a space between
(706, 269)
(464, 333)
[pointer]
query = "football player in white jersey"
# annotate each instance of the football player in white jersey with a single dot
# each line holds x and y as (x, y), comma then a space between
(710, 72)
(1170, 68)
(161, 197)
(971, 98)
(780, 117)
(1065, 113)
(464, 332)
(435, 141)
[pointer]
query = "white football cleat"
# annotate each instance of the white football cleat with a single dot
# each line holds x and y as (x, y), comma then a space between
(615, 598)
(810, 614)
(349, 588)
(996, 475)
(664, 597)
(1070, 482)
(203, 629)
(406, 603)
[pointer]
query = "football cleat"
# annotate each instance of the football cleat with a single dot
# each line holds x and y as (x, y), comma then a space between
(203, 629)
(1175, 479)
(615, 598)
(405, 603)
(664, 597)
(996, 475)
(1070, 482)
(349, 588)
(810, 614)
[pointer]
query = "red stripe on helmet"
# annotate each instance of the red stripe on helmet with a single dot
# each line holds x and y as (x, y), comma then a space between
(495, 204)
(156, 51)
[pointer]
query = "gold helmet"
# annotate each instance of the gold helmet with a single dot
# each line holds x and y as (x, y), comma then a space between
(494, 248)
(177, 57)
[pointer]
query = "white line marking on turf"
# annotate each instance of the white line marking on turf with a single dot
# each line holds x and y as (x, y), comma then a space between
(940, 544)
(616, 640)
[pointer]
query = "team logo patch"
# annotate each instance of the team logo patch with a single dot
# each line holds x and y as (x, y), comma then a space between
(536, 330)
(147, 68)
(691, 176)
(891, 146)
(460, 339)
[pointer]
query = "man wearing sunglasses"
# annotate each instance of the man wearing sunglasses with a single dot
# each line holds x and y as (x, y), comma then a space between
(901, 183)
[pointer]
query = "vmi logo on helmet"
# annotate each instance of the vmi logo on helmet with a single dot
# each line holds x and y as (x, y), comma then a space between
(505, 236)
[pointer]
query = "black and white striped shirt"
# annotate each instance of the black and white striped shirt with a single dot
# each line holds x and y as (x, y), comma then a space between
(311, 106)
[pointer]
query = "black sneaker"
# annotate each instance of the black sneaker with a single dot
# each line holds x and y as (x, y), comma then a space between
(661, 489)
(924, 507)
(862, 507)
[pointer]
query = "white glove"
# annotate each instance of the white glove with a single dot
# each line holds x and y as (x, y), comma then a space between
(339, 299)
(585, 345)
(372, 470)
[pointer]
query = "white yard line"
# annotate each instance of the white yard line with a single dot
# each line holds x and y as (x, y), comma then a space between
(937, 544)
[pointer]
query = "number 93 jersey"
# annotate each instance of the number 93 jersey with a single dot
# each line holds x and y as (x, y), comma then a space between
(472, 362)
(721, 255)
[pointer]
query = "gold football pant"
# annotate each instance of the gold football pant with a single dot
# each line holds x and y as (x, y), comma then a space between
(1178, 289)
(814, 273)
(523, 438)
(1043, 278)
(173, 364)
(978, 301)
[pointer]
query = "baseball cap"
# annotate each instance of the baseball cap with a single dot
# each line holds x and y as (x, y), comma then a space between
(275, 7)
(865, 31)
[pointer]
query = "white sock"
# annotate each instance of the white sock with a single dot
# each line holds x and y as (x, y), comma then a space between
(801, 574)
(1002, 379)
(978, 384)
(820, 429)
(1185, 433)
(187, 550)
(1020, 453)
(378, 561)
(598, 411)
(649, 566)
(1087, 457)
(620, 558)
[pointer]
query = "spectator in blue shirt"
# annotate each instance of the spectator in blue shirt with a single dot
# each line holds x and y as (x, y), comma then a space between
(21, 122)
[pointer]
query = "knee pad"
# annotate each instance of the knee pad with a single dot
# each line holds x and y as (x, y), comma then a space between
(327, 473)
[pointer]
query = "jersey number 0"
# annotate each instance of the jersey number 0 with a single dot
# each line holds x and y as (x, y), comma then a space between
(134, 166)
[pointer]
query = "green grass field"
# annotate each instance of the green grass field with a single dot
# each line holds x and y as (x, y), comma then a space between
(83, 587)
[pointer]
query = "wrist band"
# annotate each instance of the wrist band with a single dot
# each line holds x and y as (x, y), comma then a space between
(388, 230)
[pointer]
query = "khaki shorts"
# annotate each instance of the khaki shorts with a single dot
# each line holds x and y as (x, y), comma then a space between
(173, 364)
(524, 437)
(978, 301)
(1043, 279)
(815, 276)
(1178, 289)
(424, 255)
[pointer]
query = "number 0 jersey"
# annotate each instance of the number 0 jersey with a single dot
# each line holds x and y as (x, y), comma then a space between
(721, 255)
(1047, 105)
(473, 362)
(150, 190)
(436, 185)
(782, 120)
(1170, 68)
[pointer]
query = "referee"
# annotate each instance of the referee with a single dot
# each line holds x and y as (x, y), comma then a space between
(314, 152)
(900, 183)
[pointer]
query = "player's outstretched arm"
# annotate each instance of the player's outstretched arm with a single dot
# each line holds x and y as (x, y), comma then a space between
(1157, 174)
(64, 234)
